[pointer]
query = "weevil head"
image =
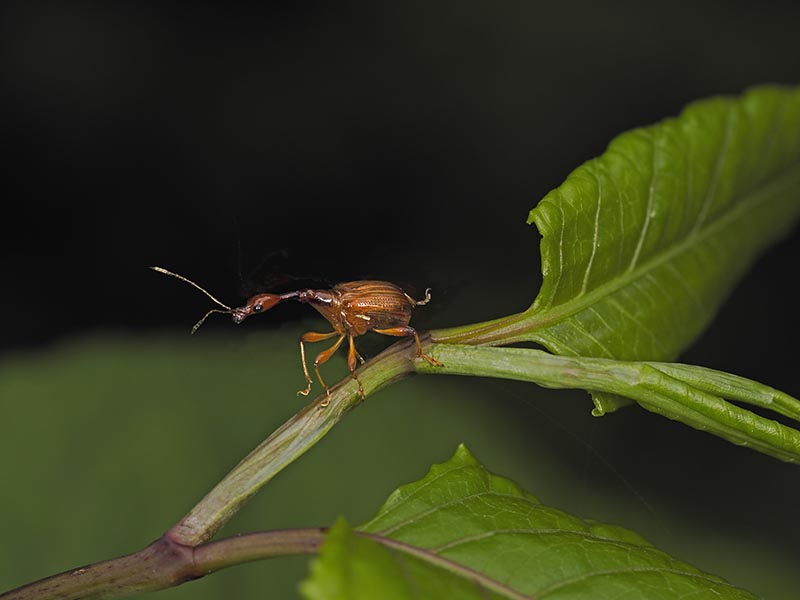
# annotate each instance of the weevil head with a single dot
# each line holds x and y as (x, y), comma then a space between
(256, 304)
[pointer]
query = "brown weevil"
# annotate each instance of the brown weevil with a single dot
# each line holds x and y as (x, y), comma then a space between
(352, 308)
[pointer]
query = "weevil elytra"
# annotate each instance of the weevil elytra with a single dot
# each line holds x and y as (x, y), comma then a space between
(352, 308)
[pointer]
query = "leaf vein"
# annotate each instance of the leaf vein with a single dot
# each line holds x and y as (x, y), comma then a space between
(633, 570)
(649, 209)
(428, 481)
(719, 160)
(583, 535)
(643, 327)
(579, 325)
(690, 293)
(596, 234)
(449, 504)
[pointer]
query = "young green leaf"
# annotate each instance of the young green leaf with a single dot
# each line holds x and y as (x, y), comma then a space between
(696, 396)
(641, 245)
(462, 532)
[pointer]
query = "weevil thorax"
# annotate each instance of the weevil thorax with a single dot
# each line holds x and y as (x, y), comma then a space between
(256, 304)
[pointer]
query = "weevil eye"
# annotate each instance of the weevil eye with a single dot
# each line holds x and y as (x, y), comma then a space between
(257, 308)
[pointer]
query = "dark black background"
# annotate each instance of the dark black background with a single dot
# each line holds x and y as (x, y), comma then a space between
(343, 140)
(404, 141)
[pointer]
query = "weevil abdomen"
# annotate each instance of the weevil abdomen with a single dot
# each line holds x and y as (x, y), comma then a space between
(369, 305)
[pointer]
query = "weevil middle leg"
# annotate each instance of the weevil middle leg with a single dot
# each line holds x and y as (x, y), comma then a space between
(405, 331)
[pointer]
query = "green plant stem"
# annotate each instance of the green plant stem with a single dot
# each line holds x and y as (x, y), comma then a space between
(505, 330)
(160, 565)
(286, 444)
(165, 563)
(233, 551)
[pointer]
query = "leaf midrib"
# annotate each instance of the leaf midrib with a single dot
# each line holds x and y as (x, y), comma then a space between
(447, 564)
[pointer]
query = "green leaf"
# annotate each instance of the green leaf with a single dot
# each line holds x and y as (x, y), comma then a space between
(355, 566)
(462, 532)
(693, 395)
(641, 245)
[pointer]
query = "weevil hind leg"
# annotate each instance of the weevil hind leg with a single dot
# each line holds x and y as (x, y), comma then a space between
(360, 358)
(405, 331)
(422, 302)
(351, 364)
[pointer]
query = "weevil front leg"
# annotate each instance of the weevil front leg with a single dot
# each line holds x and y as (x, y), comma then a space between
(321, 357)
(405, 331)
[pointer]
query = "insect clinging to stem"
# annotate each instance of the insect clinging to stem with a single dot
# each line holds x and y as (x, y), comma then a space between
(352, 308)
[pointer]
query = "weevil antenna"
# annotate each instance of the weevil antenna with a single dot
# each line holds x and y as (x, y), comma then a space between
(192, 283)
(205, 316)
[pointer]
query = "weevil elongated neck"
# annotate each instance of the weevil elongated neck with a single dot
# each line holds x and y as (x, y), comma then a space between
(318, 297)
